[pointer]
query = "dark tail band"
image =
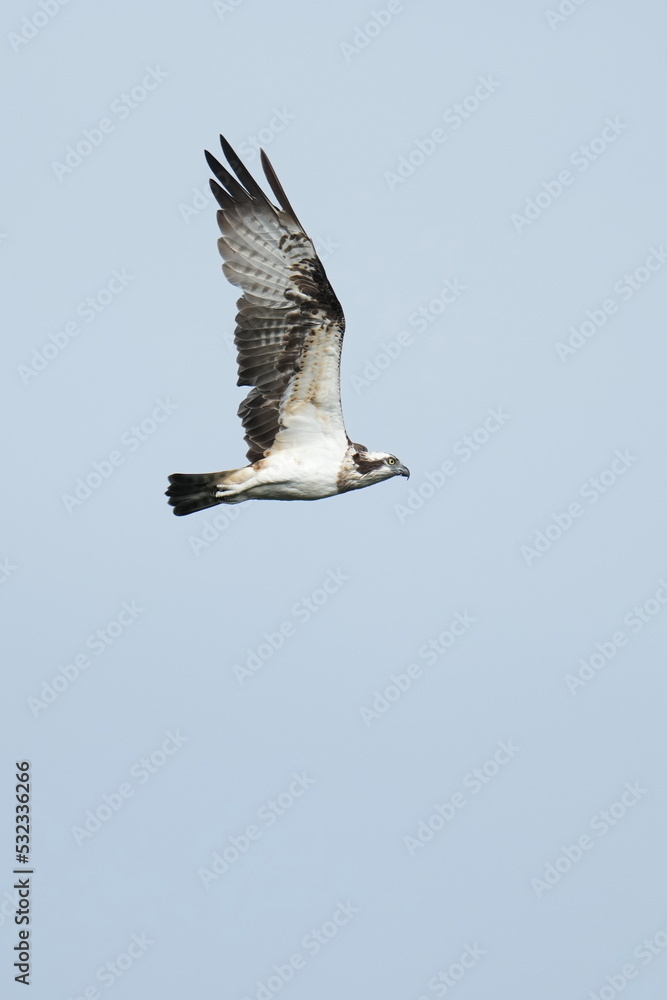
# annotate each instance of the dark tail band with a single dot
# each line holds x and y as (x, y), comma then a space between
(189, 493)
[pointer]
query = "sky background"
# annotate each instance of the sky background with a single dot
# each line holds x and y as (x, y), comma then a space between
(401, 743)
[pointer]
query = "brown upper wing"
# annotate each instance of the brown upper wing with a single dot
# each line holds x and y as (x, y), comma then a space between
(287, 300)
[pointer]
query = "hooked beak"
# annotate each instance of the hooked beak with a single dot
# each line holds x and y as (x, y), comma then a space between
(403, 470)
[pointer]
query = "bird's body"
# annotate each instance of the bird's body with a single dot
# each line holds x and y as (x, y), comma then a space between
(289, 336)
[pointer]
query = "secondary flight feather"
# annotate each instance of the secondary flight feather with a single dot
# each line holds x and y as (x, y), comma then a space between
(289, 335)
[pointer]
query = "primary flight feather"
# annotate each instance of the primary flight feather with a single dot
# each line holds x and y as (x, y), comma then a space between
(289, 334)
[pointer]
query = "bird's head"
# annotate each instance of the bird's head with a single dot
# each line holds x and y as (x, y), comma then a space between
(374, 466)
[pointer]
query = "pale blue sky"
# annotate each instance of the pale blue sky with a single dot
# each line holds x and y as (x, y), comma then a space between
(402, 743)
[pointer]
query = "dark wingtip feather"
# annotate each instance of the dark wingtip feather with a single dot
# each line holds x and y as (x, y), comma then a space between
(248, 186)
(228, 150)
(223, 199)
(277, 187)
(226, 179)
(242, 172)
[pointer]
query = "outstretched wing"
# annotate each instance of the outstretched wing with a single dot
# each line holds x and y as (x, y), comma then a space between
(290, 324)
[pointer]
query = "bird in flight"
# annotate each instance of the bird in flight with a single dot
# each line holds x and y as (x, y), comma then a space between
(289, 335)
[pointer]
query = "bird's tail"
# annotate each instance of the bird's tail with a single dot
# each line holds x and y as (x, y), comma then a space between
(188, 493)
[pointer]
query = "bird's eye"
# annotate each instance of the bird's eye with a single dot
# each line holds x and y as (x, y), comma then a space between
(391, 461)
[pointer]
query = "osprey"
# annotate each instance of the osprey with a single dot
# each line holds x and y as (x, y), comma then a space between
(289, 334)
